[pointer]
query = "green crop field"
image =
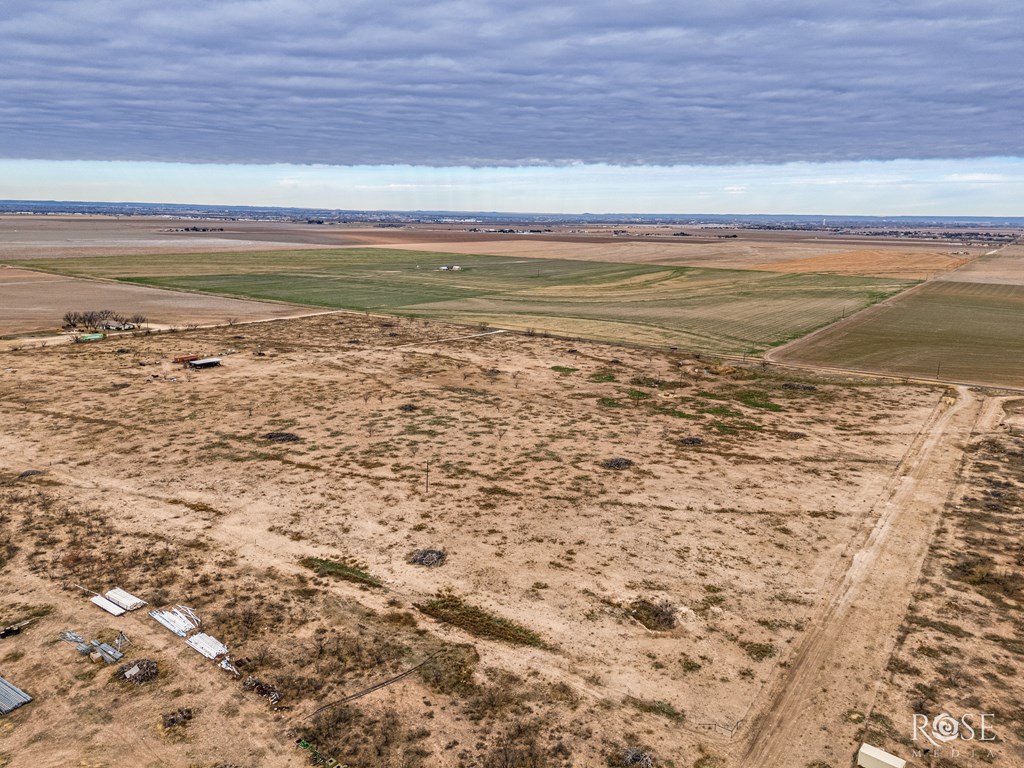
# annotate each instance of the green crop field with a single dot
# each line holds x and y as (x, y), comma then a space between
(953, 330)
(715, 310)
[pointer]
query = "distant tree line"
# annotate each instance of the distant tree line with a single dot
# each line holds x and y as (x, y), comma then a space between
(101, 318)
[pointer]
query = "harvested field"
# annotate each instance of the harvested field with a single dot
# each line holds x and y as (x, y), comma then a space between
(581, 613)
(912, 263)
(1005, 267)
(903, 261)
(34, 237)
(32, 302)
(956, 329)
(737, 311)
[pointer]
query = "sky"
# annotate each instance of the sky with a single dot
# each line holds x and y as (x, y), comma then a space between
(758, 106)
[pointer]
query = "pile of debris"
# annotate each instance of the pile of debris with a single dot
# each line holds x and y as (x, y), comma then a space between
(138, 672)
(691, 441)
(177, 718)
(635, 756)
(431, 558)
(266, 690)
(408, 408)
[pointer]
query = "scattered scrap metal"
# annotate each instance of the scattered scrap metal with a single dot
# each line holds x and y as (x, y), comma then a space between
(180, 620)
(11, 697)
(635, 756)
(94, 649)
(266, 690)
(138, 672)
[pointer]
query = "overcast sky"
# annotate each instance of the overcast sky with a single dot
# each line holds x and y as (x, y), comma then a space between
(326, 103)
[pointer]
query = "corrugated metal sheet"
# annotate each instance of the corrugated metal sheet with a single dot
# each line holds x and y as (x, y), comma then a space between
(106, 605)
(109, 654)
(180, 620)
(124, 599)
(11, 697)
(210, 647)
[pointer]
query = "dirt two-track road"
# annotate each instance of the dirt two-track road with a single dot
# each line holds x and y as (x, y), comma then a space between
(848, 646)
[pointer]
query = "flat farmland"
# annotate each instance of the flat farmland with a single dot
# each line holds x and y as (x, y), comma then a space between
(851, 257)
(954, 330)
(964, 326)
(727, 311)
(34, 302)
(33, 237)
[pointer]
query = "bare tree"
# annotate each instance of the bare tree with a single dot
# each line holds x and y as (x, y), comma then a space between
(138, 320)
(232, 321)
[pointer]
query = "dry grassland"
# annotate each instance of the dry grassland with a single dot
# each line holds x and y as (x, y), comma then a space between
(583, 609)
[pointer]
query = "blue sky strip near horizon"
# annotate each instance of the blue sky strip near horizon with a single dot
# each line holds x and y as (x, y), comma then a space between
(773, 106)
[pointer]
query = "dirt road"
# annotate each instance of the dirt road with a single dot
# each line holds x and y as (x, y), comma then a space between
(847, 648)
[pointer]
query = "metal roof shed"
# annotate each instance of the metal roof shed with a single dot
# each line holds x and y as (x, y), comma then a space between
(873, 757)
(11, 697)
(206, 362)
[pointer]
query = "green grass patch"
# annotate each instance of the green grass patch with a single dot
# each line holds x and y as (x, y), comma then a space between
(453, 610)
(753, 398)
(758, 651)
(338, 570)
(601, 377)
(662, 708)
(563, 369)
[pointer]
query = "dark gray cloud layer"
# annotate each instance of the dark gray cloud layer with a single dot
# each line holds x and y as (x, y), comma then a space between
(499, 83)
